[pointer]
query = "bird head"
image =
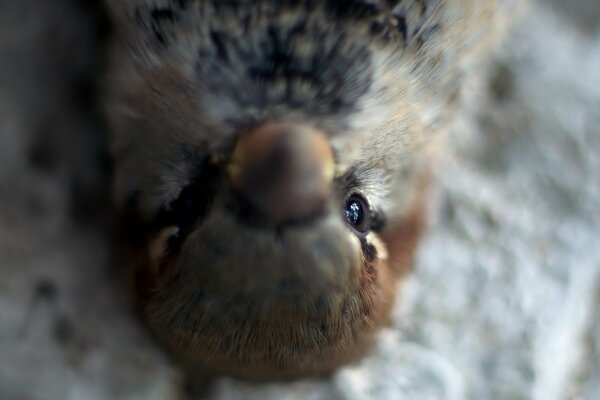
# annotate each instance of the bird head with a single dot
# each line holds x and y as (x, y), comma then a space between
(267, 259)
(271, 162)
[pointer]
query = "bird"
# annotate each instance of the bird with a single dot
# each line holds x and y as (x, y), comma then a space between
(272, 164)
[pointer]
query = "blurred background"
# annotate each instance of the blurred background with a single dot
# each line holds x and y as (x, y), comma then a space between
(504, 302)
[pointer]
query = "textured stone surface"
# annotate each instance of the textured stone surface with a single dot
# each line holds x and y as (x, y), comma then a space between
(504, 302)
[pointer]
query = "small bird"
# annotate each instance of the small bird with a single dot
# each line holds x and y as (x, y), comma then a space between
(272, 159)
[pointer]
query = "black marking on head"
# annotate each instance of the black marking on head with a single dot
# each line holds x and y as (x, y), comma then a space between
(358, 9)
(219, 43)
(277, 57)
(350, 181)
(155, 19)
(402, 27)
(393, 3)
(184, 3)
(328, 79)
(378, 28)
(159, 16)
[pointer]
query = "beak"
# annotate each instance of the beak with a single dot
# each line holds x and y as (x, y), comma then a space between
(284, 170)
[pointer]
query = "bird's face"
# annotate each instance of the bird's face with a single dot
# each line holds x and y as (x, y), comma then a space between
(272, 168)
(269, 258)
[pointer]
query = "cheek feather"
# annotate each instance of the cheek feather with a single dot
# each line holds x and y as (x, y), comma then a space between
(380, 247)
(402, 237)
(354, 242)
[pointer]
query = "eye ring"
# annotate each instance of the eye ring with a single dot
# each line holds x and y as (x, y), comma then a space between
(357, 213)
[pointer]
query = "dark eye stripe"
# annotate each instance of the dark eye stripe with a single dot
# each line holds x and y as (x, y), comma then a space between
(190, 207)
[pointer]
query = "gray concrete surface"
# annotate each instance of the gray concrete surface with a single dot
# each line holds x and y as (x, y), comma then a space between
(504, 302)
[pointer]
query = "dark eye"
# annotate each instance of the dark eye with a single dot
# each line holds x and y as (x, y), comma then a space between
(357, 213)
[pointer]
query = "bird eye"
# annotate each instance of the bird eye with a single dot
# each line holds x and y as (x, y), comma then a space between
(357, 213)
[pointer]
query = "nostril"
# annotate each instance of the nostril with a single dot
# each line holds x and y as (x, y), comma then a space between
(285, 171)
